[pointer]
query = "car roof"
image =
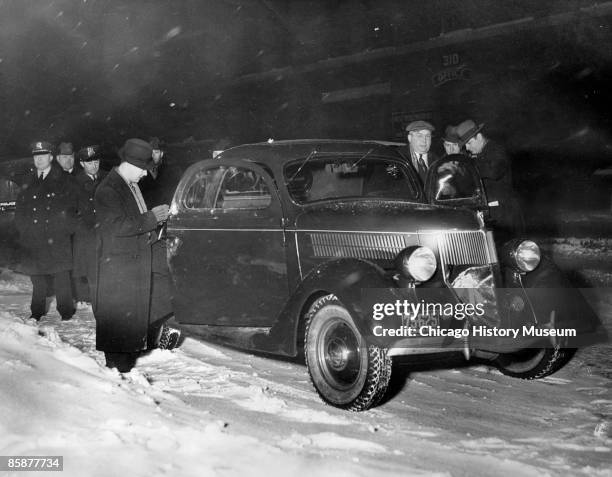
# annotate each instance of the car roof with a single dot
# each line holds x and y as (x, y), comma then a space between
(275, 152)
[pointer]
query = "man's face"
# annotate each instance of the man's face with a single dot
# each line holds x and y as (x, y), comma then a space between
(66, 161)
(475, 144)
(42, 161)
(451, 147)
(91, 167)
(157, 155)
(420, 141)
(133, 173)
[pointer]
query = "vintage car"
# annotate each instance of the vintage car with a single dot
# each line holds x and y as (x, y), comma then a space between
(327, 248)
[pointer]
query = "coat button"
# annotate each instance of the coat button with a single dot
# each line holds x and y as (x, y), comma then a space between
(34, 209)
(48, 208)
(35, 221)
(33, 197)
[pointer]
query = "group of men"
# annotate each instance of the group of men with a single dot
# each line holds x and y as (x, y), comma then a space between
(88, 236)
(490, 159)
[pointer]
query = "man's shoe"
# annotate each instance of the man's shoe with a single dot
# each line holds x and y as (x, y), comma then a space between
(34, 317)
(67, 317)
(169, 338)
(124, 362)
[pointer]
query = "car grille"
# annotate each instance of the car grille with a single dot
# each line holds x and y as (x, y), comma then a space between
(466, 248)
(359, 245)
(456, 248)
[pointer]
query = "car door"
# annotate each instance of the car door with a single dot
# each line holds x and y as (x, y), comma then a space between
(453, 181)
(227, 246)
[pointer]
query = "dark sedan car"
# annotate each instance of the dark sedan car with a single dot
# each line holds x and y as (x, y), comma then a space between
(334, 248)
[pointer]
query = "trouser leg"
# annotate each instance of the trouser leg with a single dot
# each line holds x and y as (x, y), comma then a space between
(82, 288)
(39, 295)
(63, 294)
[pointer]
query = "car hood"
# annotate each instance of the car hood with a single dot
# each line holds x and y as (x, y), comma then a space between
(384, 216)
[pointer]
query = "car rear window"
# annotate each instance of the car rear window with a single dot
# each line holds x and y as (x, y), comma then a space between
(323, 178)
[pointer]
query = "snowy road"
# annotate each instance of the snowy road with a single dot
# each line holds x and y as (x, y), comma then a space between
(206, 409)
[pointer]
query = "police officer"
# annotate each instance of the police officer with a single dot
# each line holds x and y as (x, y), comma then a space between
(86, 181)
(45, 217)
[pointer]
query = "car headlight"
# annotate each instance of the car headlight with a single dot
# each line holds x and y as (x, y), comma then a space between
(523, 255)
(417, 263)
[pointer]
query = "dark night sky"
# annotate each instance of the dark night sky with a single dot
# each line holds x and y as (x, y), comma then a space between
(97, 71)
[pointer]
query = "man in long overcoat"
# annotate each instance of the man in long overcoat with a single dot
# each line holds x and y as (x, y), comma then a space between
(45, 217)
(133, 289)
(493, 165)
(86, 182)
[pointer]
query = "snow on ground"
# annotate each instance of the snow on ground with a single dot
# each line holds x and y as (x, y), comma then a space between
(207, 410)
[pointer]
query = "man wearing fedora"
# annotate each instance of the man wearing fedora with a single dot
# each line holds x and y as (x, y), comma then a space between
(65, 158)
(451, 141)
(86, 181)
(419, 143)
(493, 165)
(158, 187)
(133, 298)
(45, 217)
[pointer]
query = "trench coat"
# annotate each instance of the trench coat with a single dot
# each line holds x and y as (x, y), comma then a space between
(85, 235)
(45, 217)
(123, 281)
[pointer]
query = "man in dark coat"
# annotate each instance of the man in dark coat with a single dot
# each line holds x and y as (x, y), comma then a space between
(493, 165)
(45, 217)
(159, 185)
(133, 296)
(86, 182)
(419, 143)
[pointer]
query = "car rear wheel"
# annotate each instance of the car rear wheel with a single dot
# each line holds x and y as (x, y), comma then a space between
(534, 363)
(345, 372)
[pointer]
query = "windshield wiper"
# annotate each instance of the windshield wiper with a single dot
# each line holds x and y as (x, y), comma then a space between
(312, 153)
(361, 158)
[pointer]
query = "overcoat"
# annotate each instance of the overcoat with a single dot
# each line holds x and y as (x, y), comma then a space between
(123, 288)
(45, 216)
(493, 165)
(85, 235)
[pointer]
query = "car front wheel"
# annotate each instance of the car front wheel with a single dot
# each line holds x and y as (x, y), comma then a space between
(534, 363)
(345, 372)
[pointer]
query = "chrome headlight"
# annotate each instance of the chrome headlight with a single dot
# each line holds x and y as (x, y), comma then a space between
(523, 255)
(417, 263)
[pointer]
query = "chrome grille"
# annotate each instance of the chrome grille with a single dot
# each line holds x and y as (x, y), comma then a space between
(359, 245)
(466, 248)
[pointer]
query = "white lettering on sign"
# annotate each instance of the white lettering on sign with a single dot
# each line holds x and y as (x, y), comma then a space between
(450, 60)
(460, 72)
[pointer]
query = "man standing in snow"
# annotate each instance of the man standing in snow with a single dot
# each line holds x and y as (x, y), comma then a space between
(86, 182)
(133, 298)
(45, 217)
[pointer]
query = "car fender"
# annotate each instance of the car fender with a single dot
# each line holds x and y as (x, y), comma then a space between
(345, 278)
(557, 303)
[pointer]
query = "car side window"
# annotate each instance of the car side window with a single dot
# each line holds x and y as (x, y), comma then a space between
(202, 188)
(242, 189)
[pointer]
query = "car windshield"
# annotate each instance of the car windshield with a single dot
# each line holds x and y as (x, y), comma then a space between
(325, 178)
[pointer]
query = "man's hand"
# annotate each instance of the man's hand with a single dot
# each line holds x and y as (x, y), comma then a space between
(161, 212)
